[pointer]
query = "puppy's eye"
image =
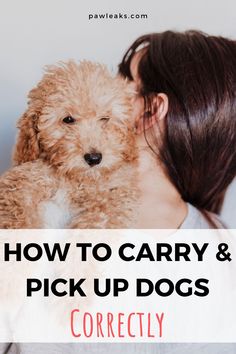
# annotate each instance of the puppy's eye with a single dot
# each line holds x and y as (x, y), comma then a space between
(68, 120)
(104, 119)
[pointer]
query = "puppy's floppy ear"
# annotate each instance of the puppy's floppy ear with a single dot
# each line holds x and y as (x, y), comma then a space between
(27, 146)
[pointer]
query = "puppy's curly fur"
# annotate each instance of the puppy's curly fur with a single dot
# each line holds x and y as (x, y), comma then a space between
(52, 185)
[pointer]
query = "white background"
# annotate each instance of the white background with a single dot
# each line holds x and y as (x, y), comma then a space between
(38, 32)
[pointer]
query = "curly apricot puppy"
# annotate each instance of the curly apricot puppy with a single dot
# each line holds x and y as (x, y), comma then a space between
(75, 153)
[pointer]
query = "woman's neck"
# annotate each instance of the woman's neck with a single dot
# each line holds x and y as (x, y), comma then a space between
(161, 205)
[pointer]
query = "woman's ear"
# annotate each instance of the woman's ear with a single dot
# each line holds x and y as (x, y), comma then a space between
(160, 105)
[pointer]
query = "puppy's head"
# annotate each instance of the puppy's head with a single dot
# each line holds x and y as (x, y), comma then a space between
(78, 120)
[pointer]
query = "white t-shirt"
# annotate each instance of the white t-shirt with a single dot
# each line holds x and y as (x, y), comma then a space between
(196, 220)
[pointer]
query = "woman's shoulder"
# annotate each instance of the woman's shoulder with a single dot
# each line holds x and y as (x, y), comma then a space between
(196, 219)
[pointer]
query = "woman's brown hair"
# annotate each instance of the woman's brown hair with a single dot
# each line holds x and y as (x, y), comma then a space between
(198, 74)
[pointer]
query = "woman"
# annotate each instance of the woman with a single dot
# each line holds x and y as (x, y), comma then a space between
(185, 111)
(185, 118)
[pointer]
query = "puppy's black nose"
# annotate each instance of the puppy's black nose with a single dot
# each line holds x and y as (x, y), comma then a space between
(93, 159)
